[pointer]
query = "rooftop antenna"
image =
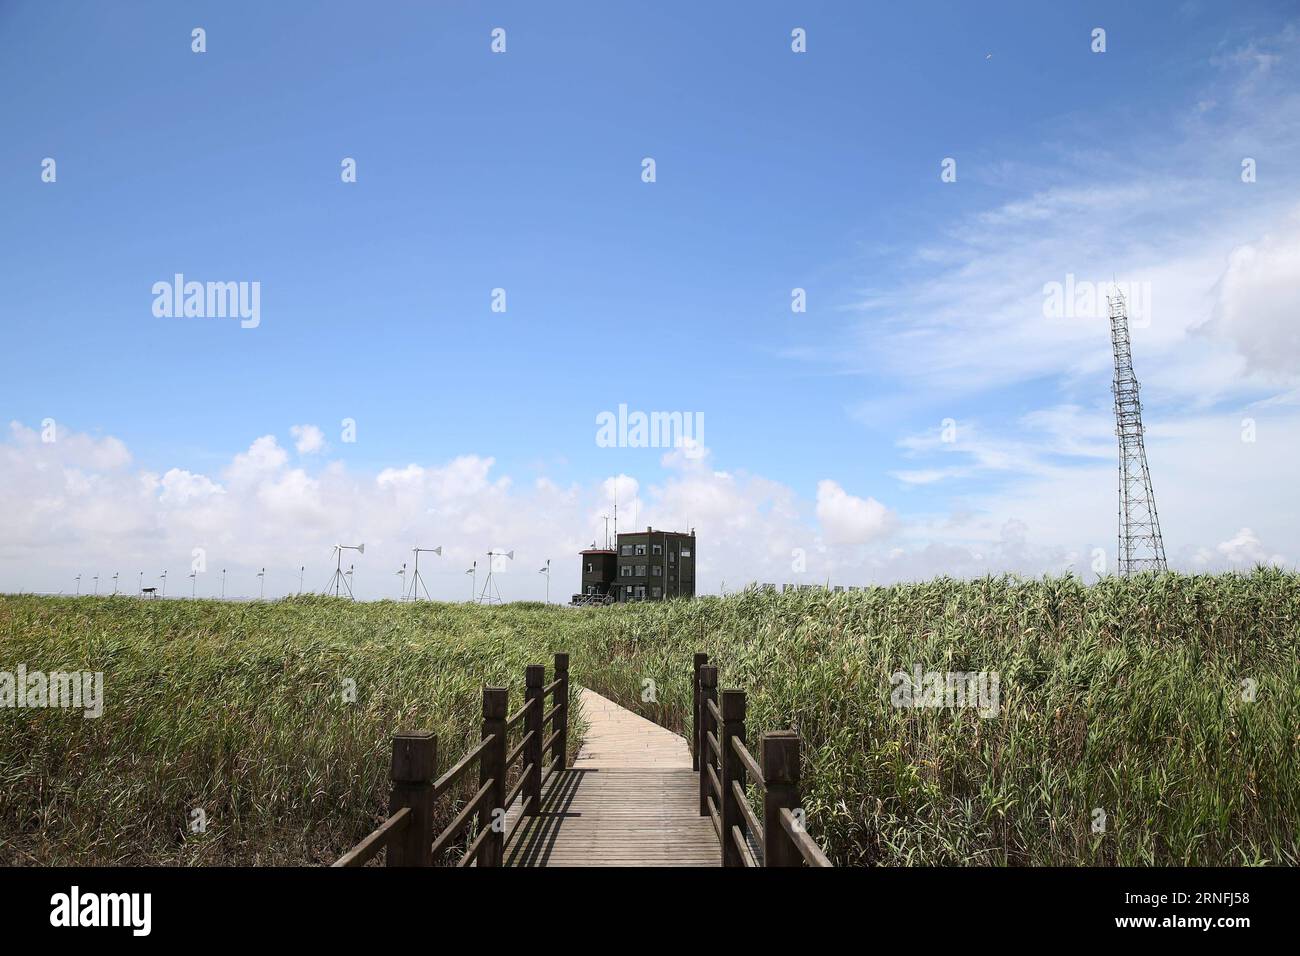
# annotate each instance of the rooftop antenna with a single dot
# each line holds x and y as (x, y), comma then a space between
(490, 594)
(194, 584)
(472, 571)
(593, 544)
(547, 571)
(401, 587)
(261, 575)
(338, 580)
(417, 582)
(1141, 546)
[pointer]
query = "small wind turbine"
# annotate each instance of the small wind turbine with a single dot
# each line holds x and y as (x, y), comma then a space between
(194, 583)
(96, 585)
(262, 584)
(141, 588)
(547, 571)
(401, 587)
(417, 582)
(223, 584)
(114, 582)
(301, 571)
(338, 579)
(490, 593)
(78, 585)
(472, 571)
(164, 581)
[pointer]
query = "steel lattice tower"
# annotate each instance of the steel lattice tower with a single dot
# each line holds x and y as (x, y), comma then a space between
(1141, 548)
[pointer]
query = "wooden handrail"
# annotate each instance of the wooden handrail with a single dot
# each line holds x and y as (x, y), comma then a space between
(519, 714)
(751, 819)
(746, 758)
(462, 819)
(519, 748)
(369, 848)
(742, 848)
(514, 791)
(806, 845)
(726, 766)
(445, 782)
(407, 833)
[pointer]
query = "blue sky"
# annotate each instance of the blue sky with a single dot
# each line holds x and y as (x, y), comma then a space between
(522, 171)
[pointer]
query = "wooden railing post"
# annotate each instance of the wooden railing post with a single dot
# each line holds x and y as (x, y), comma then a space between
(534, 681)
(780, 761)
(733, 728)
(415, 758)
(561, 751)
(708, 692)
(492, 766)
(700, 661)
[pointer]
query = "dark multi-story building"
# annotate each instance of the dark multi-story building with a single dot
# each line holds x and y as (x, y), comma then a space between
(599, 568)
(646, 565)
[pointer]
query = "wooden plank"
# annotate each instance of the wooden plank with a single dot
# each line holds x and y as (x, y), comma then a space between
(630, 799)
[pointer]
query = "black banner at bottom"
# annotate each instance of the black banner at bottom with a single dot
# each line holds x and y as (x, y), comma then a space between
(339, 907)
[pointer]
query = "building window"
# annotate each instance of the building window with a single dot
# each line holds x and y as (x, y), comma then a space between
(625, 571)
(657, 570)
(640, 593)
(640, 570)
(656, 549)
(672, 557)
(640, 549)
(656, 592)
(686, 552)
(590, 567)
(626, 550)
(628, 590)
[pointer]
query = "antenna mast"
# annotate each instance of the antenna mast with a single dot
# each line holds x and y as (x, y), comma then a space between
(1141, 547)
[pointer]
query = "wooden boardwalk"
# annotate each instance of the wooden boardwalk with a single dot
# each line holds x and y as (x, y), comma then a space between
(630, 799)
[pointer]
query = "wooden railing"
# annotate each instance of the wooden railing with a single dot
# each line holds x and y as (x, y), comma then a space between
(408, 835)
(727, 768)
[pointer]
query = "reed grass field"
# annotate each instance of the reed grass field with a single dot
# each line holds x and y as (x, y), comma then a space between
(1169, 703)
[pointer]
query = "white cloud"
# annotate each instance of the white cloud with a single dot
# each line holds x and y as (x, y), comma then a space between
(179, 486)
(308, 439)
(263, 457)
(848, 519)
(1242, 551)
(1258, 304)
